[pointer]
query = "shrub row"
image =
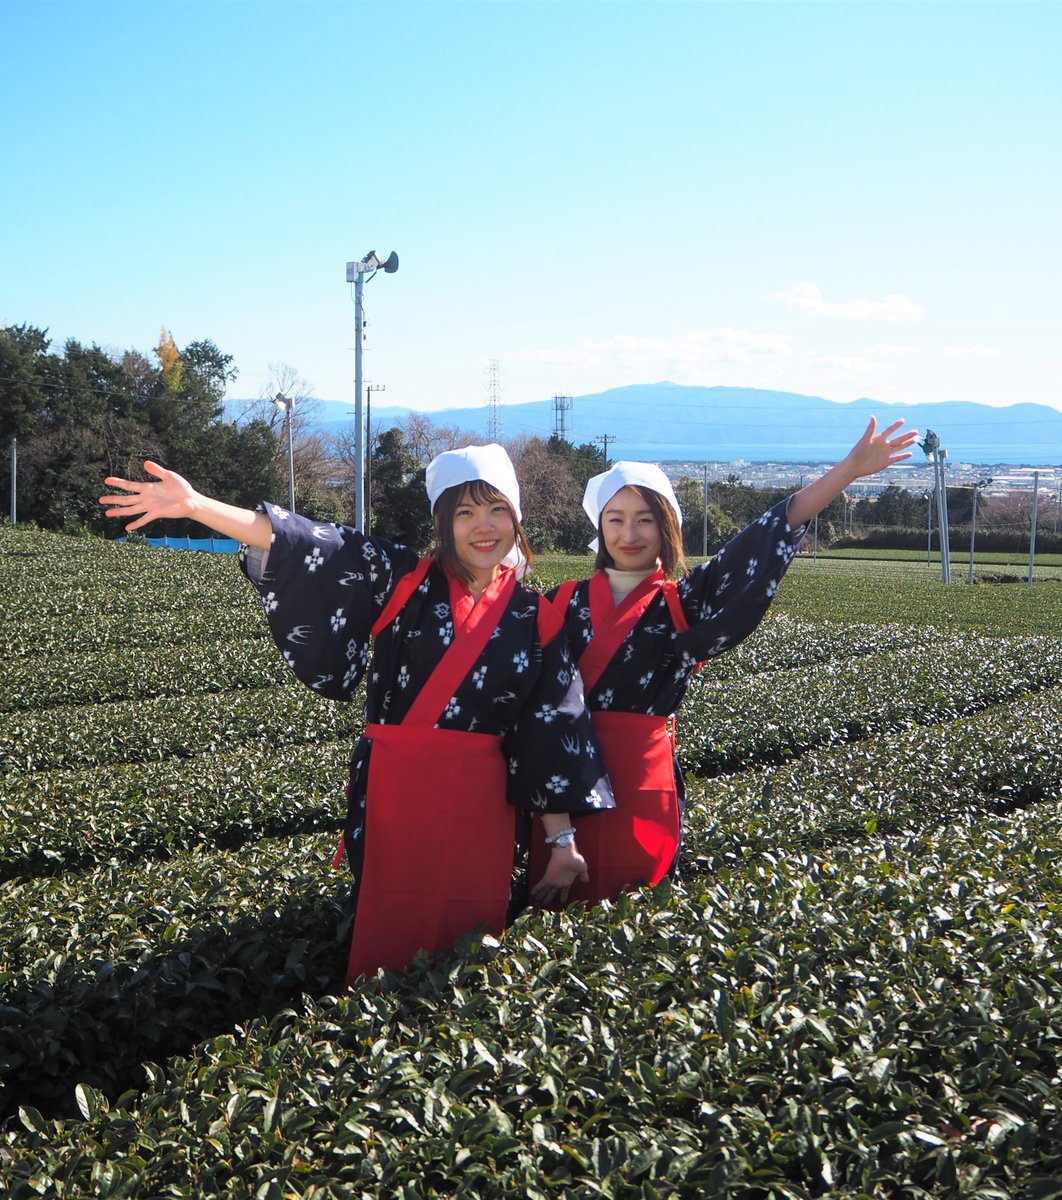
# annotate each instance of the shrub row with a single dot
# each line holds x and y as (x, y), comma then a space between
(105, 577)
(726, 723)
(33, 636)
(53, 821)
(126, 914)
(128, 962)
(828, 1004)
(907, 594)
(104, 676)
(1002, 758)
(881, 1022)
(171, 727)
(736, 723)
(785, 642)
(988, 538)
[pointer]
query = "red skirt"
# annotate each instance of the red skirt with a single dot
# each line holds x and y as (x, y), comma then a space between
(636, 842)
(439, 842)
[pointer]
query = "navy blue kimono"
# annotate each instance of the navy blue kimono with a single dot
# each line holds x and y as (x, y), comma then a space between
(722, 600)
(323, 587)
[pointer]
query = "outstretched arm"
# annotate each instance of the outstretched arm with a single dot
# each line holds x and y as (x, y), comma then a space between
(872, 453)
(169, 495)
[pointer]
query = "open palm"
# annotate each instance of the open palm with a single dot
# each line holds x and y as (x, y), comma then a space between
(167, 495)
(875, 451)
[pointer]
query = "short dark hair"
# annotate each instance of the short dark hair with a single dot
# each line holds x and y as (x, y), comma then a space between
(478, 491)
(672, 558)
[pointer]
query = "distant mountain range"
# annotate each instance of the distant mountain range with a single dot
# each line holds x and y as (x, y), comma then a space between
(666, 422)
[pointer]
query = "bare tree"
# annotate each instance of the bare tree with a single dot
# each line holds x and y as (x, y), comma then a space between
(550, 496)
(425, 439)
(282, 380)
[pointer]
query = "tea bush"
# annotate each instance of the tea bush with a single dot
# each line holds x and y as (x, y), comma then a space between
(851, 990)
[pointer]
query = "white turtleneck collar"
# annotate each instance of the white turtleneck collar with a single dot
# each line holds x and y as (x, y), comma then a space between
(622, 583)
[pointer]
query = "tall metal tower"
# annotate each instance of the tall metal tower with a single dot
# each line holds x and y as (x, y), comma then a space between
(493, 401)
(562, 406)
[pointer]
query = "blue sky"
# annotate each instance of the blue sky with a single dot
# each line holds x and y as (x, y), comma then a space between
(841, 199)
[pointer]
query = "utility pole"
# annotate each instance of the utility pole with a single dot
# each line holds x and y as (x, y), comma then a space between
(704, 530)
(369, 389)
(1032, 526)
(603, 442)
(14, 476)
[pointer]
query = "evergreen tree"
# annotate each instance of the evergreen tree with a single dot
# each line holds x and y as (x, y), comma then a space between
(399, 508)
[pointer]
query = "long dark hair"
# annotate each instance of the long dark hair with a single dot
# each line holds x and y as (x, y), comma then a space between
(672, 558)
(478, 492)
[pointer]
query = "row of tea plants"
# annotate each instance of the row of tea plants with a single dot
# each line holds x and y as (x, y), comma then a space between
(853, 989)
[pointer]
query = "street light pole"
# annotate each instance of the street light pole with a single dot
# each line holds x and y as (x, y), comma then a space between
(1032, 525)
(936, 455)
(286, 406)
(356, 275)
(981, 483)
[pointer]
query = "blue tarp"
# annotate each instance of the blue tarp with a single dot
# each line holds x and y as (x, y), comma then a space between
(208, 545)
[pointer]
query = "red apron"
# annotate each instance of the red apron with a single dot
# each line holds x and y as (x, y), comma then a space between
(439, 834)
(635, 843)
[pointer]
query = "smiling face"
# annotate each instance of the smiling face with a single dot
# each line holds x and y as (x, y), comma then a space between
(630, 532)
(484, 532)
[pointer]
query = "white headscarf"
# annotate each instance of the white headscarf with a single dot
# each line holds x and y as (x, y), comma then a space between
(601, 489)
(489, 463)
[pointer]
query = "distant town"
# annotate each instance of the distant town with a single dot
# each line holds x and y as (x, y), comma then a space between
(913, 475)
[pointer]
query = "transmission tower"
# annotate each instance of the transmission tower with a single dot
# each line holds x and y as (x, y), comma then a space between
(562, 406)
(493, 401)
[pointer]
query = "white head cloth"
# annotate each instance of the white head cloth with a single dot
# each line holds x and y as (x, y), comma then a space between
(489, 463)
(601, 489)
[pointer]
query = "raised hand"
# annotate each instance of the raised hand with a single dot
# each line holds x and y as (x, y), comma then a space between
(167, 495)
(875, 451)
(872, 453)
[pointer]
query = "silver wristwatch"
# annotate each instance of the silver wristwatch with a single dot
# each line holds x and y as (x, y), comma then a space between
(563, 837)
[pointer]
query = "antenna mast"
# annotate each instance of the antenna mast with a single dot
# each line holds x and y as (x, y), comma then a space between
(562, 406)
(493, 401)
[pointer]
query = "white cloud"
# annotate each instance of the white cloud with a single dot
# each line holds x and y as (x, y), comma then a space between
(808, 298)
(892, 351)
(971, 351)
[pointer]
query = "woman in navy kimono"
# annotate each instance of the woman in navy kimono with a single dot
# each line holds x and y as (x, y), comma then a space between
(639, 635)
(471, 698)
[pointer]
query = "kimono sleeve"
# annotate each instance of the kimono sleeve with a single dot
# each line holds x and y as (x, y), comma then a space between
(555, 763)
(323, 586)
(725, 599)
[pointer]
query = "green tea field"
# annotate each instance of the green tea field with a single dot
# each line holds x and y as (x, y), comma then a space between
(854, 989)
